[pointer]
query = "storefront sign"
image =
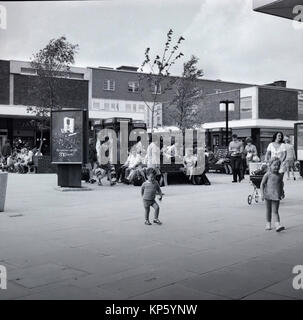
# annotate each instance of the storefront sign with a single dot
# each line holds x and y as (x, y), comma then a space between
(67, 137)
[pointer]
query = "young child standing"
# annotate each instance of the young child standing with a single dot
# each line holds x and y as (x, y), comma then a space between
(149, 189)
(272, 192)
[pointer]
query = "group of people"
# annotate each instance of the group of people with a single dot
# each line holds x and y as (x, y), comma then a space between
(279, 159)
(241, 156)
(17, 160)
(139, 160)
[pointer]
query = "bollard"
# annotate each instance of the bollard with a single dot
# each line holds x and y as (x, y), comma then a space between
(3, 186)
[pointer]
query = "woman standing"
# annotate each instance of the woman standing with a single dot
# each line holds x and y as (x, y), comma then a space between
(250, 151)
(277, 149)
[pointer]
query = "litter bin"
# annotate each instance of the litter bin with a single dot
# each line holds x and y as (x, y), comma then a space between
(3, 185)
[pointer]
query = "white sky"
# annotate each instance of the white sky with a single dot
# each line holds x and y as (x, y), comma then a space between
(233, 42)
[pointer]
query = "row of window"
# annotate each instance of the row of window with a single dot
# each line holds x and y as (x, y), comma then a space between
(115, 106)
(70, 75)
(133, 86)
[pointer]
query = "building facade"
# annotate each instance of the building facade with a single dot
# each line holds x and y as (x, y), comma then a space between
(259, 112)
(108, 92)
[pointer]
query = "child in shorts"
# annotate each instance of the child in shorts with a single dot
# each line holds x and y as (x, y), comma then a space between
(272, 192)
(149, 189)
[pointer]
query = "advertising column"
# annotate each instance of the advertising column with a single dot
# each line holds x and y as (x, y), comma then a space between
(68, 145)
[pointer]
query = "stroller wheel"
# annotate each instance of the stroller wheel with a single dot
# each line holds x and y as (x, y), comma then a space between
(249, 199)
(256, 198)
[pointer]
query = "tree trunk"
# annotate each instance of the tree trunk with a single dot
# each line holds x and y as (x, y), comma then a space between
(152, 119)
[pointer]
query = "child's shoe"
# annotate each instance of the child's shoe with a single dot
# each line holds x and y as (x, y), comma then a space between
(157, 221)
(268, 226)
(147, 222)
(279, 227)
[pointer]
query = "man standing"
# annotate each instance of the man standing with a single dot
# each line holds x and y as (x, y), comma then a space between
(235, 149)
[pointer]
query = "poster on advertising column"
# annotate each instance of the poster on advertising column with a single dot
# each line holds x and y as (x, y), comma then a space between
(67, 137)
(299, 140)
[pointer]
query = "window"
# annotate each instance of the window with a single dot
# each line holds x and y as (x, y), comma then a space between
(109, 85)
(134, 108)
(128, 107)
(133, 86)
(155, 91)
(29, 71)
(141, 108)
(106, 106)
(96, 105)
(300, 109)
(115, 106)
(246, 108)
(74, 75)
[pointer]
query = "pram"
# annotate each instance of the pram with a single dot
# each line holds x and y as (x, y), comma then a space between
(256, 173)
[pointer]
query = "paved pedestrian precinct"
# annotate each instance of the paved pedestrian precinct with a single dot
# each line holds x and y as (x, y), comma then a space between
(92, 245)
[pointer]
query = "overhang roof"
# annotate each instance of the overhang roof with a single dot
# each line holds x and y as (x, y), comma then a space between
(280, 8)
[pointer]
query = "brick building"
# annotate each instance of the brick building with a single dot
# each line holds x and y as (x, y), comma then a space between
(115, 93)
(108, 92)
(17, 79)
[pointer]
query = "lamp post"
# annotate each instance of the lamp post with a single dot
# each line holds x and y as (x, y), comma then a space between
(227, 105)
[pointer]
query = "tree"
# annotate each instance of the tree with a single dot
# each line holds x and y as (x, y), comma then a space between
(51, 64)
(154, 77)
(183, 110)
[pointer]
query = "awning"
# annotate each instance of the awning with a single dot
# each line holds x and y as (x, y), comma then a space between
(280, 8)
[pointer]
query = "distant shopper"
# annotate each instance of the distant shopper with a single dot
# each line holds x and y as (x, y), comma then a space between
(149, 190)
(189, 162)
(92, 159)
(290, 158)
(272, 192)
(105, 149)
(250, 152)
(236, 149)
(6, 149)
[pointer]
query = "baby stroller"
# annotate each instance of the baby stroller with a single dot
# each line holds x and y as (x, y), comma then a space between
(256, 173)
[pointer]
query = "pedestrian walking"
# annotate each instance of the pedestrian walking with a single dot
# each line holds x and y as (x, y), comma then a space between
(149, 190)
(290, 158)
(272, 192)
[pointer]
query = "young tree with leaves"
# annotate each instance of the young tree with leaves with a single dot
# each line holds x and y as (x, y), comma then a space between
(183, 110)
(154, 75)
(51, 63)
